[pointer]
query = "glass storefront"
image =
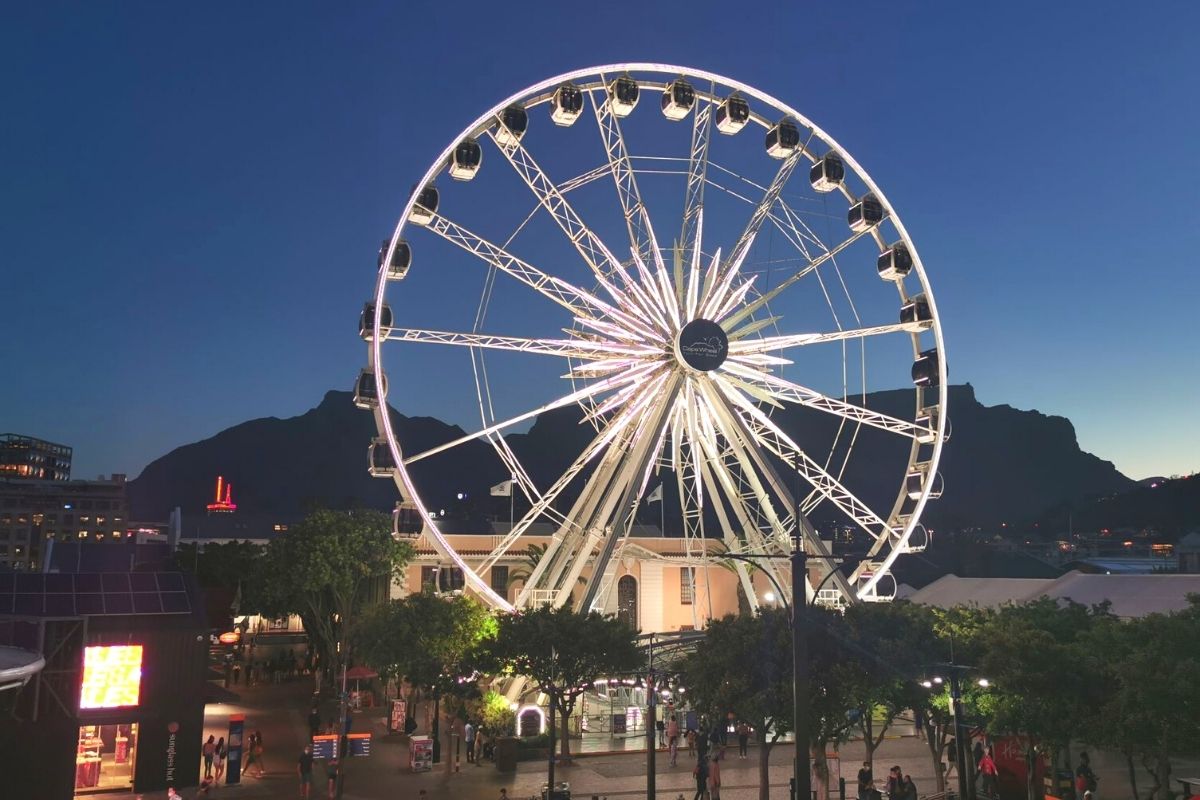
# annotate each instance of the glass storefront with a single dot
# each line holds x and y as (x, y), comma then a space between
(105, 758)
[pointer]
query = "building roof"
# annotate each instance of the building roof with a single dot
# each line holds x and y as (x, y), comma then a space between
(1130, 595)
(94, 594)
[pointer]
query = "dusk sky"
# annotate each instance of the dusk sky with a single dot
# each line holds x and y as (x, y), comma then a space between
(192, 195)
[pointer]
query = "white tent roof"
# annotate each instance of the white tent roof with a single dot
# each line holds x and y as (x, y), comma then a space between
(1130, 595)
(18, 666)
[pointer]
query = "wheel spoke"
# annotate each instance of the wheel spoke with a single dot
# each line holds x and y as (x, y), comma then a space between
(630, 376)
(772, 437)
(693, 201)
(603, 264)
(740, 346)
(566, 348)
(579, 302)
(785, 390)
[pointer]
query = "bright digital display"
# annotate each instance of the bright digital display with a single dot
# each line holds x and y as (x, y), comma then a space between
(112, 676)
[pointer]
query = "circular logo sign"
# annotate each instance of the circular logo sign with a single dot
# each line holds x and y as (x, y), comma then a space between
(702, 345)
(172, 727)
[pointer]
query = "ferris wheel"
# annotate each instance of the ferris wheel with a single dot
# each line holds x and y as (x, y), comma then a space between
(699, 278)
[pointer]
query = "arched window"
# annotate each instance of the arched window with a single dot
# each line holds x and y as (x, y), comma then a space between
(627, 600)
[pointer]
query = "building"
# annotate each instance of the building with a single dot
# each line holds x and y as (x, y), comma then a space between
(657, 583)
(119, 704)
(1131, 595)
(32, 512)
(27, 458)
(1189, 553)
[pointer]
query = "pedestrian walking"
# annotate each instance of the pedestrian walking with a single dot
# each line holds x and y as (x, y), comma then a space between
(1084, 776)
(314, 721)
(743, 734)
(908, 788)
(988, 771)
(700, 773)
(172, 794)
(866, 782)
(673, 738)
(661, 727)
(219, 759)
(304, 769)
(714, 778)
(691, 742)
(333, 770)
(469, 735)
(251, 751)
(209, 750)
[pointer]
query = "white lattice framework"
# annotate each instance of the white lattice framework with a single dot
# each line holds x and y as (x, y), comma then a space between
(656, 418)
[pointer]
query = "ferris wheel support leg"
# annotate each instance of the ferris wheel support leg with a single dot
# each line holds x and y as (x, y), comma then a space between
(732, 542)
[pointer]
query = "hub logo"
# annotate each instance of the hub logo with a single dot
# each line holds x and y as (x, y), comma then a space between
(702, 345)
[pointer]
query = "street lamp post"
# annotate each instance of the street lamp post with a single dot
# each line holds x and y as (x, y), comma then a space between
(959, 747)
(802, 774)
(651, 725)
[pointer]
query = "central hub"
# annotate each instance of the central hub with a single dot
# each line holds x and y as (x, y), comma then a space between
(702, 345)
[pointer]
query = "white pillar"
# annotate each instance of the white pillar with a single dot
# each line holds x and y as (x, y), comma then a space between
(650, 597)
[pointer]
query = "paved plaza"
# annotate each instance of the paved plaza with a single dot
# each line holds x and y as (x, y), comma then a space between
(280, 713)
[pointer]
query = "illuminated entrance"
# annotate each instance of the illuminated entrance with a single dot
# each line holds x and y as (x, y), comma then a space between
(105, 758)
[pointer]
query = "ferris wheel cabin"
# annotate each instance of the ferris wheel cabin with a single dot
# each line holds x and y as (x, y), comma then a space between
(732, 115)
(623, 96)
(828, 173)
(406, 521)
(895, 263)
(514, 121)
(927, 419)
(425, 207)
(678, 100)
(379, 459)
(566, 105)
(365, 395)
(465, 160)
(783, 139)
(925, 369)
(366, 321)
(401, 259)
(866, 213)
(915, 314)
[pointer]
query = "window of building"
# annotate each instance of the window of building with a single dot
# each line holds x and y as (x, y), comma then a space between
(687, 585)
(500, 581)
(429, 579)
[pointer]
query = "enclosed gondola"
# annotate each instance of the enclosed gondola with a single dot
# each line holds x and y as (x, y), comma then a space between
(921, 477)
(379, 459)
(925, 369)
(366, 395)
(678, 99)
(783, 139)
(733, 114)
(401, 259)
(623, 96)
(866, 213)
(828, 173)
(425, 206)
(406, 521)
(512, 124)
(366, 321)
(465, 160)
(915, 314)
(927, 419)
(895, 263)
(566, 105)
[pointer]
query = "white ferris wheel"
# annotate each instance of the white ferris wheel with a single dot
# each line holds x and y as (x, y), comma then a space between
(710, 285)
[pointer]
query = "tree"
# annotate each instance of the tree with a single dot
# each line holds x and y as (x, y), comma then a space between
(563, 652)
(889, 644)
(1153, 670)
(327, 568)
(230, 566)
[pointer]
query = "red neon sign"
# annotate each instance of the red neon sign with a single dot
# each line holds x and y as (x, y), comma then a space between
(223, 503)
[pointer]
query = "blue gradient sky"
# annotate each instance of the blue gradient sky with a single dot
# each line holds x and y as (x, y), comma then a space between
(191, 196)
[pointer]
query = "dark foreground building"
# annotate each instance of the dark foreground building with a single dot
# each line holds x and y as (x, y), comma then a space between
(120, 702)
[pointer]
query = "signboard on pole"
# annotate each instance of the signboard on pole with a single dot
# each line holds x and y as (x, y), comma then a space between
(325, 746)
(237, 730)
(359, 744)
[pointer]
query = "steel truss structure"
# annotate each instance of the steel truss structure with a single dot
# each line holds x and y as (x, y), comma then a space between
(674, 354)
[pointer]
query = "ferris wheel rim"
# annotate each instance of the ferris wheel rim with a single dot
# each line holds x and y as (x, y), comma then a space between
(375, 360)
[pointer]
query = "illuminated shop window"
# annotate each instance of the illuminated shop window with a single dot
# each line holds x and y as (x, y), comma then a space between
(112, 676)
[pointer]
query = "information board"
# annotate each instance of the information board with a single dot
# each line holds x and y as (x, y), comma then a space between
(359, 744)
(397, 716)
(325, 746)
(420, 753)
(618, 723)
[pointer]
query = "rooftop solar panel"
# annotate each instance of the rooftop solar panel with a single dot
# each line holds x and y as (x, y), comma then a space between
(93, 594)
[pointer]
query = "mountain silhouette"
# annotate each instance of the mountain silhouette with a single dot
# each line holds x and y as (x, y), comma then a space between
(1000, 464)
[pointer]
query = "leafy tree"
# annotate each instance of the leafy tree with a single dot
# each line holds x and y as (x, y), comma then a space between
(744, 666)
(327, 568)
(563, 652)
(430, 640)
(890, 645)
(1153, 666)
(231, 566)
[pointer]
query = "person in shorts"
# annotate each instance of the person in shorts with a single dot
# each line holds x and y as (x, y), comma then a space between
(304, 766)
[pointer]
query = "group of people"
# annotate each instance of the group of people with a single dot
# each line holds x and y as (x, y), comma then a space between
(273, 669)
(304, 768)
(215, 752)
(899, 785)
